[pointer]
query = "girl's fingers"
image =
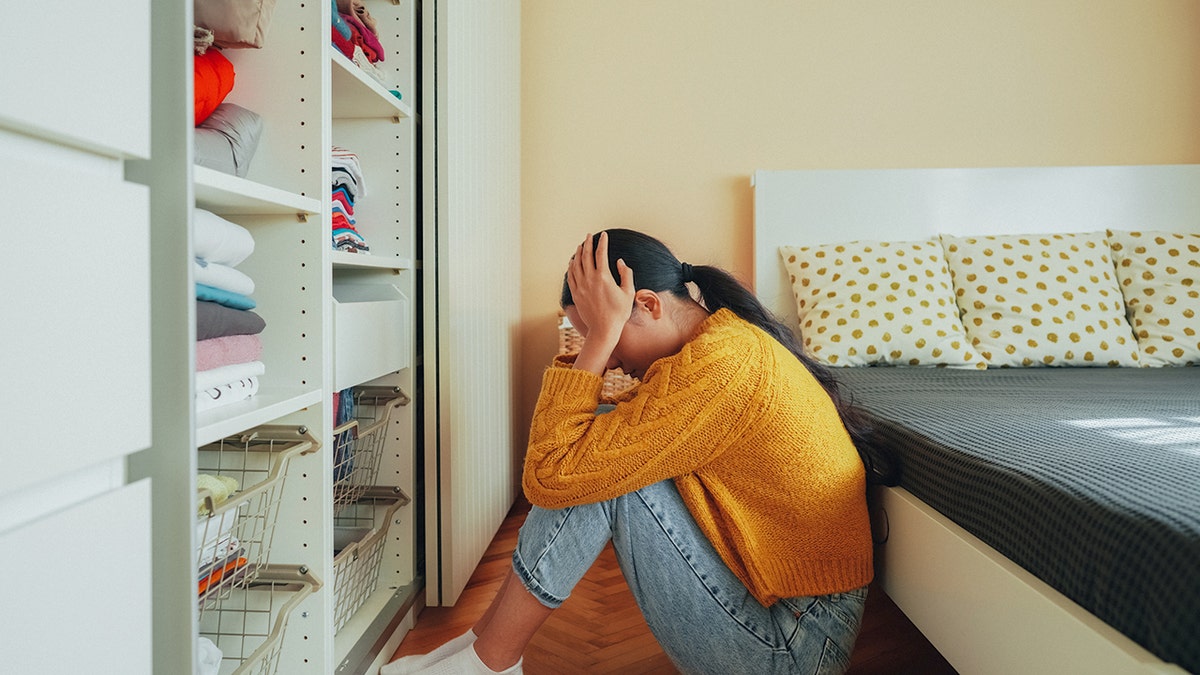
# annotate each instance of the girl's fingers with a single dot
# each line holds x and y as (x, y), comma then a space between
(574, 268)
(602, 252)
(626, 273)
(581, 260)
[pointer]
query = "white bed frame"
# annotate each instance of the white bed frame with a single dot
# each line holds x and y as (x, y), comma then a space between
(984, 613)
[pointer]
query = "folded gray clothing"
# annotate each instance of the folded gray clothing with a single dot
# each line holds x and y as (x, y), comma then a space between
(227, 139)
(214, 320)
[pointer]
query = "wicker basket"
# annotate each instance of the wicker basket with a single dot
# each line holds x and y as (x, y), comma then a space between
(570, 341)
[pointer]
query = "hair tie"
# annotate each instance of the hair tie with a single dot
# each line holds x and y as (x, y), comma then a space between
(685, 272)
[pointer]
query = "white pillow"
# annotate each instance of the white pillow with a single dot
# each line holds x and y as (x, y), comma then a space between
(1041, 300)
(878, 303)
(1159, 273)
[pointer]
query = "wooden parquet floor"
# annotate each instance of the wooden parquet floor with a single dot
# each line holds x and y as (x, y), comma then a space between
(600, 630)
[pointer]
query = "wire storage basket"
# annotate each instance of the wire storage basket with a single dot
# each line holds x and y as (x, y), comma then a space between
(241, 483)
(359, 534)
(570, 341)
(249, 626)
(358, 443)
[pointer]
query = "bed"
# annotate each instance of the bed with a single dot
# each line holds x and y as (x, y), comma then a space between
(999, 538)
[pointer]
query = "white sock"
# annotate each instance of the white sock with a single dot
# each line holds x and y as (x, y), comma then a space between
(415, 662)
(466, 662)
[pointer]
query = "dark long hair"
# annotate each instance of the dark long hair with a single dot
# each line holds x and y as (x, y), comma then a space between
(657, 269)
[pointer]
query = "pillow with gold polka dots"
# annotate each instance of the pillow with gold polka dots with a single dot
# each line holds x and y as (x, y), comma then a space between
(878, 303)
(1159, 274)
(1041, 300)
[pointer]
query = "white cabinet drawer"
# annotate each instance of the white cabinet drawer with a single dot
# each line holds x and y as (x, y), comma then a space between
(75, 588)
(371, 332)
(75, 271)
(78, 72)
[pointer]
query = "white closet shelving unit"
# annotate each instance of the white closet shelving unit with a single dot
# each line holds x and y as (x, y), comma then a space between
(334, 321)
(98, 500)
(372, 298)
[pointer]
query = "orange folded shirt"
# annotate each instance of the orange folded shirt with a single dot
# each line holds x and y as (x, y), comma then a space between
(219, 573)
(212, 80)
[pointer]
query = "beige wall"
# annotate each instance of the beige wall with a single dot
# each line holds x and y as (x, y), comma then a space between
(652, 114)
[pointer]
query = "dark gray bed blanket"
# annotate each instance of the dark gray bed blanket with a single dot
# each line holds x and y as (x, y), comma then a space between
(1087, 477)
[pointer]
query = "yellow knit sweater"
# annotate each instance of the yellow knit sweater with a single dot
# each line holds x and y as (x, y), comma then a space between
(751, 439)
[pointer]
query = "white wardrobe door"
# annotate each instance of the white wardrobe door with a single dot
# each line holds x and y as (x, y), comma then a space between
(75, 588)
(75, 274)
(78, 71)
(478, 220)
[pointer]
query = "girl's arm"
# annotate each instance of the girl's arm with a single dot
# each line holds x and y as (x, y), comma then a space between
(689, 410)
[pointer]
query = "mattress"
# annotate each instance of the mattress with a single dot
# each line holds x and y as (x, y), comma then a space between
(1089, 478)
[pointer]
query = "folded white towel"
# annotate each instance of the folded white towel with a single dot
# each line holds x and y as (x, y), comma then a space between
(224, 394)
(221, 276)
(218, 240)
(215, 377)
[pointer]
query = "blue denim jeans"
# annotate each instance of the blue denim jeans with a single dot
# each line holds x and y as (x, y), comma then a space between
(701, 614)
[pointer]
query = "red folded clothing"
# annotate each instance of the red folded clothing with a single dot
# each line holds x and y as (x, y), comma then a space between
(212, 80)
(370, 42)
(341, 222)
(346, 45)
(340, 196)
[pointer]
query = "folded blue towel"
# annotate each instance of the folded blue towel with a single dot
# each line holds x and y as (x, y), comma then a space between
(224, 297)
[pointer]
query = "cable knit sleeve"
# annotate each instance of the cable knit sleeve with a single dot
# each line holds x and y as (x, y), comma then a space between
(687, 410)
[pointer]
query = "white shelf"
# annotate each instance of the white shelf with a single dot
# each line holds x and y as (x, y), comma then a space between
(344, 260)
(358, 95)
(226, 194)
(269, 404)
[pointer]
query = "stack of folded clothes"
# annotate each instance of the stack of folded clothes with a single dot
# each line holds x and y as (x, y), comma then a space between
(348, 188)
(356, 35)
(228, 347)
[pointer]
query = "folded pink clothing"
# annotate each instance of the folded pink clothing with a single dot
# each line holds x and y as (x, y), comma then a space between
(227, 350)
(370, 41)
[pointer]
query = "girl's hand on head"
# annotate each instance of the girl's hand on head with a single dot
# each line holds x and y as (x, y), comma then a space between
(602, 304)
